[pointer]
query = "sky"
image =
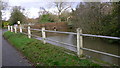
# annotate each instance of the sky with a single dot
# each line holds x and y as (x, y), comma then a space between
(33, 6)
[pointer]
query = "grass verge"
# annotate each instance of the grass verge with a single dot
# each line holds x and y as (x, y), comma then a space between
(44, 54)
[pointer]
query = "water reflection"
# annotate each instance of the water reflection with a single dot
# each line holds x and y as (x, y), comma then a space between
(96, 44)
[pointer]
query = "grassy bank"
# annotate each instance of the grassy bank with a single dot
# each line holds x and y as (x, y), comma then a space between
(44, 54)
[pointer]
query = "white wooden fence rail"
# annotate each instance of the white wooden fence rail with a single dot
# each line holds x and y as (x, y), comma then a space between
(79, 34)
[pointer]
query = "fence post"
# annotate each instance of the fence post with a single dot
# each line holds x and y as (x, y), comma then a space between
(15, 29)
(11, 28)
(29, 32)
(8, 28)
(43, 35)
(79, 42)
(20, 29)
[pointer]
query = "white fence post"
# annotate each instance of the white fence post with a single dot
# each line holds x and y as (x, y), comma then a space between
(8, 28)
(20, 29)
(15, 29)
(43, 35)
(11, 28)
(29, 32)
(79, 42)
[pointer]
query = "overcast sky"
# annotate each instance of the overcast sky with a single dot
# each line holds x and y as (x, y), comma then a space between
(33, 6)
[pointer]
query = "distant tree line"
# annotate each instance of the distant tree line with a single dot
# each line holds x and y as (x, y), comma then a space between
(44, 15)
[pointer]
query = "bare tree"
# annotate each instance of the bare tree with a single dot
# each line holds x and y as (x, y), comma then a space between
(61, 7)
(43, 11)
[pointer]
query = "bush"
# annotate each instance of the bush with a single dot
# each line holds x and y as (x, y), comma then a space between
(46, 18)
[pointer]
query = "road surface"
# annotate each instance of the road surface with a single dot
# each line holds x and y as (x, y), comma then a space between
(10, 56)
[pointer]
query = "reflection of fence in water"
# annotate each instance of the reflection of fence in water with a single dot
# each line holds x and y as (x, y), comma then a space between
(39, 33)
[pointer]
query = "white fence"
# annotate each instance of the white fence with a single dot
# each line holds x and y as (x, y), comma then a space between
(79, 34)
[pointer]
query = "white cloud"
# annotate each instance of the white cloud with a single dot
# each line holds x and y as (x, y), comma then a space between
(5, 15)
(33, 12)
(32, 7)
(26, 3)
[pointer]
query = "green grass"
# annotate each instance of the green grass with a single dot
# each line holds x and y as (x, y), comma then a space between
(44, 54)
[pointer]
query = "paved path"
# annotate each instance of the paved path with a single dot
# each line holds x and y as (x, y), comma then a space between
(11, 57)
(0, 47)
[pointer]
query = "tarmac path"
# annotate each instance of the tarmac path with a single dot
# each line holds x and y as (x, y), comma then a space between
(10, 56)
